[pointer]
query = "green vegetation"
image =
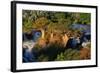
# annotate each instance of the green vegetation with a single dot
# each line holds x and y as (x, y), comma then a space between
(52, 20)
(69, 54)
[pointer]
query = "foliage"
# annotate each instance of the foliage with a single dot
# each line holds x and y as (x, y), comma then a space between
(59, 20)
(69, 54)
(42, 58)
(40, 22)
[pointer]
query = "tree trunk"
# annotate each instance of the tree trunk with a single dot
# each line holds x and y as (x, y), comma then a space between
(65, 39)
(43, 33)
(51, 35)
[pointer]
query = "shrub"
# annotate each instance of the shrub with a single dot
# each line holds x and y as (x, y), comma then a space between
(69, 54)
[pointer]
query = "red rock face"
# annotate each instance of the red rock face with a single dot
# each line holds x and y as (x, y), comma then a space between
(42, 43)
(85, 53)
